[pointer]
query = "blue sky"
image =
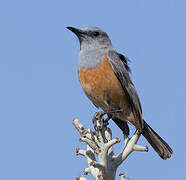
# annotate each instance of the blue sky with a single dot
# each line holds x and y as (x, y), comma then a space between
(40, 92)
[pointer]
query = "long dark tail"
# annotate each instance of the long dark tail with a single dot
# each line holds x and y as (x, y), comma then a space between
(159, 145)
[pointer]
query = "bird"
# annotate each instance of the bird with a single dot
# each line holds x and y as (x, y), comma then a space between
(104, 75)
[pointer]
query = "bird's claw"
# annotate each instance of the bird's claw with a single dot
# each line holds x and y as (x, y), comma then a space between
(99, 116)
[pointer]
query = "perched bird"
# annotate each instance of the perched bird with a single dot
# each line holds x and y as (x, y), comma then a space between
(104, 77)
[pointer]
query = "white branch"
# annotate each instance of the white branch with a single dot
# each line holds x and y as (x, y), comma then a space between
(111, 143)
(100, 143)
(130, 146)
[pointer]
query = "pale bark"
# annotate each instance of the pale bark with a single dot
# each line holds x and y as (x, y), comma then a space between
(99, 143)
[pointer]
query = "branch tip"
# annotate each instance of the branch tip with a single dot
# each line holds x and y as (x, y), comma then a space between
(78, 177)
(117, 139)
(77, 151)
(100, 177)
(73, 120)
(121, 174)
(140, 148)
(85, 171)
(93, 163)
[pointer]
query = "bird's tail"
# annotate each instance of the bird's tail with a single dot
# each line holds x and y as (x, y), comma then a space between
(158, 144)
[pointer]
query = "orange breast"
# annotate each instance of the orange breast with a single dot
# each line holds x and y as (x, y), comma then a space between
(102, 87)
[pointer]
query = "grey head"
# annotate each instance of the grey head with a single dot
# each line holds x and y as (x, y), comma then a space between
(94, 45)
(91, 38)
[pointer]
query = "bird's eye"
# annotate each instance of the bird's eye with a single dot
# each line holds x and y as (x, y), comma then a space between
(96, 33)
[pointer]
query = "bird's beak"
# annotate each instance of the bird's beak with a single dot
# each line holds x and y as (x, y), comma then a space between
(76, 31)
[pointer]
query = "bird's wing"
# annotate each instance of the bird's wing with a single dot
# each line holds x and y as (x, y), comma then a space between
(121, 69)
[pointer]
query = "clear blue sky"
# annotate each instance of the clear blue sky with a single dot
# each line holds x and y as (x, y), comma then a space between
(40, 92)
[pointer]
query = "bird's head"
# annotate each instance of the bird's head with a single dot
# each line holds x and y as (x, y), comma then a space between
(91, 38)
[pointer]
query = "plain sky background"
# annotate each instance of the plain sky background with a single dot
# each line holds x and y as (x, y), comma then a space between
(40, 92)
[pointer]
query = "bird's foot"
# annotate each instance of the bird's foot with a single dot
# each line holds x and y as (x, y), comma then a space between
(99, 116)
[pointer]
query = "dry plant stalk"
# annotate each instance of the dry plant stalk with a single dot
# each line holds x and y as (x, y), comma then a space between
(100, 143)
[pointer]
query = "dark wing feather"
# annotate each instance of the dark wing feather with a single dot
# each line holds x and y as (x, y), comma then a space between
(121, 69)
(125, 61)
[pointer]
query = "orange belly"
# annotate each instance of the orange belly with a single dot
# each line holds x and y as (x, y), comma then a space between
(104, 89)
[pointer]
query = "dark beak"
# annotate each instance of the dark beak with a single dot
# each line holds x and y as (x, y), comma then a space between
(77, 32)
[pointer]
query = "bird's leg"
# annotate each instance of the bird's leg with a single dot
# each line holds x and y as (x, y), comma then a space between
(110, 114)
(105, 121)
(100, 116)
(97, 116)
